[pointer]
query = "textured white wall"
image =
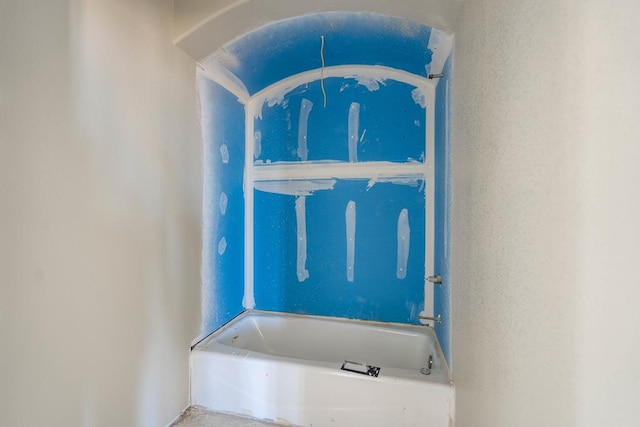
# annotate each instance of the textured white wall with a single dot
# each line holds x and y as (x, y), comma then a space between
(100, 189)
(545, 221)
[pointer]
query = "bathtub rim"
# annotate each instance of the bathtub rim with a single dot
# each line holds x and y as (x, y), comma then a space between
(248, 312)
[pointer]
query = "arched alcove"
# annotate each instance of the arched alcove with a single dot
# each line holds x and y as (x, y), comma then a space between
(326, 170)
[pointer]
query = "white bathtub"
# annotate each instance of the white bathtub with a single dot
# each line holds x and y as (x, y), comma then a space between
(287, 368)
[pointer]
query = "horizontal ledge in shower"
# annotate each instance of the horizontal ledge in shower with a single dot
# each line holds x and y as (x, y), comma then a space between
(339, 170)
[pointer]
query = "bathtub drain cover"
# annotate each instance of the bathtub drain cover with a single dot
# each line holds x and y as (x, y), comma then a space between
(360, 368)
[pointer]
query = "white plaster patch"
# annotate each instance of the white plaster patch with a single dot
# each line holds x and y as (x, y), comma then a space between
(372, 83)
(440, 44)
(354, 123)
(223, 203)
(301, 228)
(257, 144)
(277, 98)
(350, 221)
(224, 153)
(295, 187)
(404, 238)
(222, 246)
(402, 180)
(420, 97)
(224, 58)
(305, 109)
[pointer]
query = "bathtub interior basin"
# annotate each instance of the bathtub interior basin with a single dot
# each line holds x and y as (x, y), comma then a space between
(317, 371)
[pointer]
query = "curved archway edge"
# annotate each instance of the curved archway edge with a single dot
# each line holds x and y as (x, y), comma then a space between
(201, 27)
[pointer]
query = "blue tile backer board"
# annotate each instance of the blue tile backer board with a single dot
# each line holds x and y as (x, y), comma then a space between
(391, 126)
(376, 293)
(223, 217)
(276, 51)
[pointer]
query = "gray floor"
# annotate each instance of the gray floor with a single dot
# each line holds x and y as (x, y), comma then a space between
(195, 416)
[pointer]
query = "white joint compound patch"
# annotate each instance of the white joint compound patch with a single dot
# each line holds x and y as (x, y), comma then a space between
(420, 97)
(301, 225)
(257, 144)
(295, 187)
(404, 239)
(350, 220)
(371, 83)
(354, 123)
(305, 109)
(224, 153)
(224, 201)
(222, 246)
(440, 44)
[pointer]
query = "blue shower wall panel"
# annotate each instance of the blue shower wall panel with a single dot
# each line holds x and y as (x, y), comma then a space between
(376, 293)
(349, 38)
(275, 249)
(223, 220)
(442, 294)
(391, 125)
